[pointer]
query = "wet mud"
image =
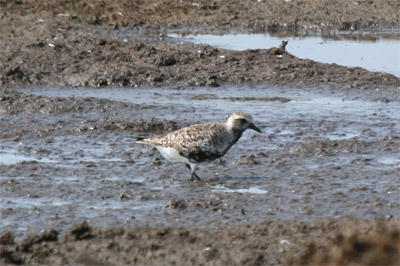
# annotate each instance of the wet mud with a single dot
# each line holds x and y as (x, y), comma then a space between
(323, 158)
(261, 244)
(69, 45)
(81, 80)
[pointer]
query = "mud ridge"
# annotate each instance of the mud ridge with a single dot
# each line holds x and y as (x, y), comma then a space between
(268, 243)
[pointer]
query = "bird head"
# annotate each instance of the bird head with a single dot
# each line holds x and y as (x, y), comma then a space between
(241, 121)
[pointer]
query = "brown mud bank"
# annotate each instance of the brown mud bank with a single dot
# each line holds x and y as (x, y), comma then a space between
(72, 44)
(269, 243)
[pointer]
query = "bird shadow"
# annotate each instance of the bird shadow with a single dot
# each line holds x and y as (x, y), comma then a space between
(227, 179)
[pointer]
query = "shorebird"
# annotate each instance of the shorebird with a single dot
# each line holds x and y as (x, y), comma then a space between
(201, 142)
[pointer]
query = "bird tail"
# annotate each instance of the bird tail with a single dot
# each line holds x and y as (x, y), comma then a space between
(141, 140)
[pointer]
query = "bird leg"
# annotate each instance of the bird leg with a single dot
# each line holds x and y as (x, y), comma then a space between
(193, 174)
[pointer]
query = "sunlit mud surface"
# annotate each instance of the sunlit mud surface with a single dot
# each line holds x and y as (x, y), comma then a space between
(69, 155)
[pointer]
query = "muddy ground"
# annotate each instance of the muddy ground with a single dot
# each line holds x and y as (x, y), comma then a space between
(80, 80)
(72, 44)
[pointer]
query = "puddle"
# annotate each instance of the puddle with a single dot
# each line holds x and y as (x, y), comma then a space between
(380, 55)
(286, 132)
(115, 204)
(8, 158)
(341, 136)
(312, 102)
(390, 161)
(250, 190)
(29, 202)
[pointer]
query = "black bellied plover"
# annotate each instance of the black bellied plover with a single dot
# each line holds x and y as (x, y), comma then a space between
(201, 142)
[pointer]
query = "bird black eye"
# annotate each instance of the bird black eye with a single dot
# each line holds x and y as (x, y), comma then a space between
(242, 121)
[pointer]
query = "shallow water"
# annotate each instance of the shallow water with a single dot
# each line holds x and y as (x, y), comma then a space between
(265, 104)
(380, 55)
(250, 190)
(323, 153)
(13, 157)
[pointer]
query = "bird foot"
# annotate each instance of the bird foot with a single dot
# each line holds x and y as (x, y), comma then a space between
(194, 177)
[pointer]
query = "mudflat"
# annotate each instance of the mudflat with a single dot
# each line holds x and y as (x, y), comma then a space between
(80, 80)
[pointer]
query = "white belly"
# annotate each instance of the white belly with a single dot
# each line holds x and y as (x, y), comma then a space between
(172, 154)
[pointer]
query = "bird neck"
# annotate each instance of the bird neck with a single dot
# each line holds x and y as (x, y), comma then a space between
(235, 136)
(237, 133)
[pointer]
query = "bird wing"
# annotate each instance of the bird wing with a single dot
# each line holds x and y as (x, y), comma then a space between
(198, 143)
(204, 142)
(182, 138)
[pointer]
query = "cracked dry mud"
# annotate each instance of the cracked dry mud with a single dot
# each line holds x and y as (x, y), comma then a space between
(80, 80)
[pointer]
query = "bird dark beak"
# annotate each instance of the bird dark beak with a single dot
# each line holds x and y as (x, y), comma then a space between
(252, 126)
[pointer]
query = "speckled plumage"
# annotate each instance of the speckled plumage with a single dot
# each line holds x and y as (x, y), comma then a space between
(202, 142)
